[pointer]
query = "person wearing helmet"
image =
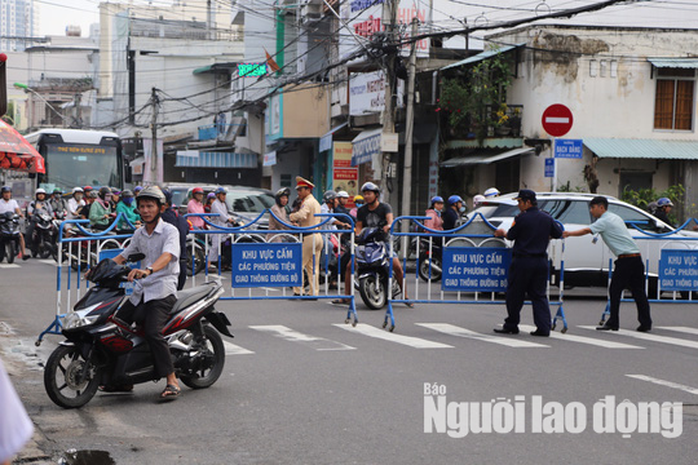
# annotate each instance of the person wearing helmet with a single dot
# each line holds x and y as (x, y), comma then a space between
(8, 204)
(75, 202)
(155, 285)
(58, 204)
(434, 214)
(374, 214)
(100, 210)
(39, 205)
(222, 219)
(196, 206)
(664, 206)
(491, 193)
(478, 199)
(127, 208)
(453, 213)
(279, 213)
(358, 203)
(342, 200)
(312, 243)
(210, 198)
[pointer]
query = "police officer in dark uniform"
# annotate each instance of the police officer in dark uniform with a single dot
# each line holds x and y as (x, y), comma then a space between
(528, 273)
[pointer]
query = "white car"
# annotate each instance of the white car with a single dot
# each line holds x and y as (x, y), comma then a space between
(587, 258)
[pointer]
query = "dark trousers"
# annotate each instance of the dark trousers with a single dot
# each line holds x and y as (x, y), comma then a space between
(152, 316)
(182, 279)
(528, 277)
(629, 273)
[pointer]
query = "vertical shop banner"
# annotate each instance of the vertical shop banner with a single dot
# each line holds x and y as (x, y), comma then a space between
(344, 176)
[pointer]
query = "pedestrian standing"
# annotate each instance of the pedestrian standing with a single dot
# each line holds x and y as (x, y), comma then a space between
(312, 243)
(220, 208)
(629, 270)
(528, 272)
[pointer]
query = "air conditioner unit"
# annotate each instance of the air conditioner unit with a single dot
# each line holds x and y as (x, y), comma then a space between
(311, 10)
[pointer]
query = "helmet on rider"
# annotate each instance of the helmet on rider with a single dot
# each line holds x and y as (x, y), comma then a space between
(664, 202)
(6, 189)
(454, 199)
(284, 191)
(39, 191)
(492, 192)
(478, 199)
(197, 190)
(127, 193)
(211, 195)
(151, 192)
(104, 192)
(220, 190)
(435, 199)
(369, 186)
(329, 196)
(358, 200)
(137, 189)
(342, 195)
(57, 191)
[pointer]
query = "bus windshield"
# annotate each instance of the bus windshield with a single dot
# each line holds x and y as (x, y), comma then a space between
(70, 165)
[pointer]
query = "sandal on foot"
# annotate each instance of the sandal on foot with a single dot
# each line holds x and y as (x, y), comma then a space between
(409, 304)
(340, 302)
(171, 392)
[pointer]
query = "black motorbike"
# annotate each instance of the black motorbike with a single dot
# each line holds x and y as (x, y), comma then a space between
(45, 235)
(100, 349)
(373, 267)
(430, 259)
(9, 236)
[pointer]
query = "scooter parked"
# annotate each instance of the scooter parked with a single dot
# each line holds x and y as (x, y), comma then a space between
(9, 236)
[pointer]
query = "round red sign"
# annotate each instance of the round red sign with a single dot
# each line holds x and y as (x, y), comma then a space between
(557, 120)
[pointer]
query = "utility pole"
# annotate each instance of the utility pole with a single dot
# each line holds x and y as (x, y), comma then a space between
(389, 17)
(77, 101)
(154, 135)
(409, 126)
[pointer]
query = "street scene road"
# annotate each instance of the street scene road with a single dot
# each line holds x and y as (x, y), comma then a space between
(300, 386)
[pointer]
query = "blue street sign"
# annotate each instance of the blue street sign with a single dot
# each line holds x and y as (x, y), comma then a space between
(678, 270)
(549, 167)
(568, 148)
(475, 269)
(267, 265)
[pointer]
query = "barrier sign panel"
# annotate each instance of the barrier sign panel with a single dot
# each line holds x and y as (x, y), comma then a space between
(267, 265)
(678, 270)
(475, 269)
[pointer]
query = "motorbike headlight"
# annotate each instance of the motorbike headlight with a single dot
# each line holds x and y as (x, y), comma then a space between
(74, 320)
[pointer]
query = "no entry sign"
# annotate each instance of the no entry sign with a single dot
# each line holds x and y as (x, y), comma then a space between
(557, 120)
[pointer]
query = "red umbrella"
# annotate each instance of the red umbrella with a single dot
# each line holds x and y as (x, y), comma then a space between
(18, 154)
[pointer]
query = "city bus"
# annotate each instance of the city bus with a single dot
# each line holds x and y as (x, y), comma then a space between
(76, 157)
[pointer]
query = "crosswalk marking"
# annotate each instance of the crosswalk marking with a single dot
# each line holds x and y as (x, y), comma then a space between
(9, 265)
(416, 342)
(466, 333)
(234, 349)
(680, 329)
(585, 340)
(652, 337)
(317, 343)
(48, 261)
(663, 382)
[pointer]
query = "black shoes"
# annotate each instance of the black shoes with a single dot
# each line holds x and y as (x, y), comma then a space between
(538, 332)
(606, 328)
(644, 329)
(505, 330)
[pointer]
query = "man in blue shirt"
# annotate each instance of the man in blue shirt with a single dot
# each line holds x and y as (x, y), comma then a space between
(629, 271)
(528, 273)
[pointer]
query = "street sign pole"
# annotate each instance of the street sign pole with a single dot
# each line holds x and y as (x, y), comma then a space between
(554, 186)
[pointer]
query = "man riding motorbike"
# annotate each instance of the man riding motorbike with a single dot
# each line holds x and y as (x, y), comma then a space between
(8, 204)
(40, 204)
(156, 284)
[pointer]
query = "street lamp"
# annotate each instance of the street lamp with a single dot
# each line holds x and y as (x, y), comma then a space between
(27, 89)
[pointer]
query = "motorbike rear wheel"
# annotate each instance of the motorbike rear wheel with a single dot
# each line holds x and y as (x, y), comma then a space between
(199, 255)
(212, 364)
(424, 265)
(373, 292)
(62, 378)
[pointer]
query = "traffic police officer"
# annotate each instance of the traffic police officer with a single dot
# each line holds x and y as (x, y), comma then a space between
(528, 273)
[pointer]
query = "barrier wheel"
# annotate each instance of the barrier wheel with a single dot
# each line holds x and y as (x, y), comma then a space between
(563, 330)
(37, 343)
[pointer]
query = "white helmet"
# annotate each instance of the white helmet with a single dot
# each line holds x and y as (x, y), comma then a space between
(77, 189)
(478, 199)
(491, 192)
(342, 195)
(40, 190)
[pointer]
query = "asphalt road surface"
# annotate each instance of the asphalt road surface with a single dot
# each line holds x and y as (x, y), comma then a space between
(302, 387)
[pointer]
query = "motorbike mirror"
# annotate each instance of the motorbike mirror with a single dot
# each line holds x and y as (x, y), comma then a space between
(136, 257)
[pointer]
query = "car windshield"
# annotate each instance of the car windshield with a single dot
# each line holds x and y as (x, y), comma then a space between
(248, 202)
(499, 210)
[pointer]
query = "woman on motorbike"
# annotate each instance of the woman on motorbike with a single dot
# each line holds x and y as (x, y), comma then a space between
(100, 211)
(127, 208)
(434, 214)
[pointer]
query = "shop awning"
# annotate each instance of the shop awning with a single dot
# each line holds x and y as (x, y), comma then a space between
(326, 139)
(365, 145)
(197, 159)
(486, 157)
(16, 153)
(643, 148)
(482, 56)
(675, 62)
(216, 68)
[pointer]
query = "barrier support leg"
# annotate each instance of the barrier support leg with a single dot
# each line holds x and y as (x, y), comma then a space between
(352, 316)
(606, 312)
(560, 314)
(389, 317)
(54, 328)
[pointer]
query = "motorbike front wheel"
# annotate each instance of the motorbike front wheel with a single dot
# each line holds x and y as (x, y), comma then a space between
(67, 380)
(210, 362)
(372, 289)
(11, 251)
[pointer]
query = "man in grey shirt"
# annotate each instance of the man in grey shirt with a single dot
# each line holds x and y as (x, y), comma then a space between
(629, 271)
(156, 286)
